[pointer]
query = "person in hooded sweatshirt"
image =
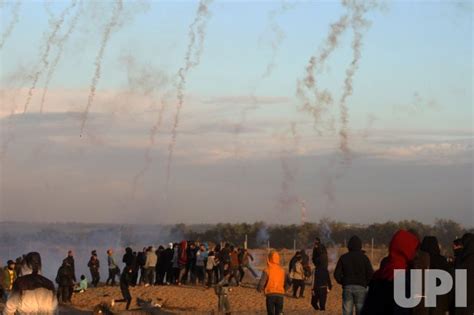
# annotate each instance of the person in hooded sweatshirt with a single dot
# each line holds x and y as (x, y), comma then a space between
(182, 261)
(64, 279)
(320, 253)
(430, 246)
(168, 264)
(274, 284)
(160, 266)
(321, 287)
(125, 281)
(94, 267)
(32, 293)
(353, 271)
(380, 297)
(466, 261)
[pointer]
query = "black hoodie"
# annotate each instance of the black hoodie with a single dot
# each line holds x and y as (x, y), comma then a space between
(466, 261)
(354, 267)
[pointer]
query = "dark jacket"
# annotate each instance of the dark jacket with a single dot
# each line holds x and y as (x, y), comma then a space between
(354, 267)
(320, 256)
(70, 261)
(128, 257)
(466, 261)
(322, 278)
(64, 278)
(93, 264)
(430, 246)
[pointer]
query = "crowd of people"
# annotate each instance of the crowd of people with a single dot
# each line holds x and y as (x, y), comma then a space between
(364, 291)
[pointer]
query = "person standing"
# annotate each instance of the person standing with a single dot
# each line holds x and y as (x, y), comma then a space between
(64, 279)
(466, 262)
(191, 263)
(9, 277)
(70, 260)
(201, 259)
(321, 287)
(353, 271)
(168, 264)
(182, 261)
(234, 265)
(94, 267)
(113, 268)
(274, 284)
(31, 293)
(297, 276)
(150, 265)
(320, 253)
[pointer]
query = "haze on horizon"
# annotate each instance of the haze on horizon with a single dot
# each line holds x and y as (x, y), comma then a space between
(244, 149)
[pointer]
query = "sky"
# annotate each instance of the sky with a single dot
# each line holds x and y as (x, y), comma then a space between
(245, 147)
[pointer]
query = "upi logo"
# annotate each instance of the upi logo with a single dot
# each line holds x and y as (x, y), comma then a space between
(436, 282)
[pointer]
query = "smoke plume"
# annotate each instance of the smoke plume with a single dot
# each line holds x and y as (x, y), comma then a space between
(15, 18)
(98, 61)
(45, 55)
(57, 58)
(358, 22)
(309, 85)
(191, 60)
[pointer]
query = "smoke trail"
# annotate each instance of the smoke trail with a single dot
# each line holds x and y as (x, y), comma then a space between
(191, 60)
(358, 22)
(98, 61)
(60, 44)
(45, 55)
(322, 99)
(15, 17)
(287, 198)
(303, 211)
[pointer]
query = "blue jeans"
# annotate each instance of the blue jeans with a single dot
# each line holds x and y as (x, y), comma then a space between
(353, 295)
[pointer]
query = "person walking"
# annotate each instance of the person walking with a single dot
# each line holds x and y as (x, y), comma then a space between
(125, 281)
(297, 276)
(245, 259)
(94, 267)
(353, 271)
(113, 268)
(273, 283)
(321, 287)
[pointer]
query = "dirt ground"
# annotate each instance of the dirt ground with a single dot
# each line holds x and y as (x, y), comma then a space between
(197, 299)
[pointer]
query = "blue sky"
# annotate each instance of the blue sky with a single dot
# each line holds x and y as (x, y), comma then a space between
(412, 90)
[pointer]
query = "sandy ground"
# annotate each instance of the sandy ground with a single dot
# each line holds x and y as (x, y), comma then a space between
(189, 299)
(197, 299)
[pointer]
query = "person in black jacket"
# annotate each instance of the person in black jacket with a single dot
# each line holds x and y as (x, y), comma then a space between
(320, 254)
(437, 261)
(64, 279)
(160, 268)
(94, 266)
(125, 281)
(466, 261)
(70, 259)
(141, 260)
(321, 287)
(353, 271)
(167, 258)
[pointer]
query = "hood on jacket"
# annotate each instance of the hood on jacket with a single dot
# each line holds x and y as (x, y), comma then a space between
(430, 245)
(354, 244)
(468, 244)
(273, 258)
(402, 251)
(128, 250)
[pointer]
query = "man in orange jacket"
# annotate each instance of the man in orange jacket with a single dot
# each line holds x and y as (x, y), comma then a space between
(274, 283)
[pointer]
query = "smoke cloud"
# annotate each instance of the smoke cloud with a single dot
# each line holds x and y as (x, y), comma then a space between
(191, 60)
(98, 61)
